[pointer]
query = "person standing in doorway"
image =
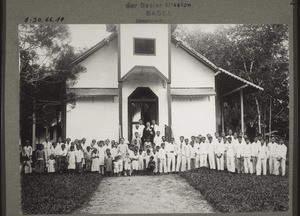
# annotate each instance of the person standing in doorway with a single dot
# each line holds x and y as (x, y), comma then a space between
(148, 133)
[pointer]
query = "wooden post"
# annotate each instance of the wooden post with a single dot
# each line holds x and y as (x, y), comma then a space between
(270, 117)
(33, 130)
(242, 110)
(222, 117)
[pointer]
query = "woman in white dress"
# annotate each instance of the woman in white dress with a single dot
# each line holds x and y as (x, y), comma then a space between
(95, 161)
(101, 152)
(71, 160)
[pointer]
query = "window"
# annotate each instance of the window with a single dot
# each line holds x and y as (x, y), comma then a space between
(144, 46)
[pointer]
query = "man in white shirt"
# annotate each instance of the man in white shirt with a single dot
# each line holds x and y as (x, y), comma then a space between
(219, 150)
(281, 152)
(187, 153)
(141, 126)
(272, 154)
(211, 153)
(47, 148)
(239, 155)
(157, 139)
(197, 156)
(59, 142)
(155, 126)
(170, 150)
(180, 161)
(262, 158)
(137, 129)
(203, 153)
(254, 148)
(230, 155)
(162, 159)
(248, 167)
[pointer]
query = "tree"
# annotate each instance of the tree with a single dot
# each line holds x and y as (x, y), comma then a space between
(45, 66)
(258, 53)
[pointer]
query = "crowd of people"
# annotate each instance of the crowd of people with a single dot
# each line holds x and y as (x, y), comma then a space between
(151, 153)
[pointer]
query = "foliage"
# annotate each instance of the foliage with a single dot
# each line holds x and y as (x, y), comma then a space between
(45, 66)
(56, 193)
(258, 53)
(229, 192)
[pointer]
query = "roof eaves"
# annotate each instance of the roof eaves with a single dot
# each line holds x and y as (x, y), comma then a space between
(200, 57)
(239, 78)
(96, 47)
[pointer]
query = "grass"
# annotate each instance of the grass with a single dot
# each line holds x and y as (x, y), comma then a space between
(228, 192)
(56, 193)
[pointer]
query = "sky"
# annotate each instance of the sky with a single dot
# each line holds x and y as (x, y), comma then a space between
(85, 36)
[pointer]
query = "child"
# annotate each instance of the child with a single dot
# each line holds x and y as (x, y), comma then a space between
(230, 155)
(108, 163)
(147, 157)
(71, 160)
(155, 158)
(118, 164)
(127, 164)
(27, 154)
(88, 159)
(79, 159)
(151, 166)
(162, 159)
(248, 167)
(141, 161)
(51, 163)
(135, 163)
(148, 143)
(101, 153)
(281, 152)
(40, 159)
(95, 161)
(262, 158)
(137, 141)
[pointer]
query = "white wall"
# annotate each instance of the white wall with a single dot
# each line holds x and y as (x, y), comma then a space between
(155, 83)
(101, 68)
(129, 60)
(94, 118)
(188, 71)
(193, 116)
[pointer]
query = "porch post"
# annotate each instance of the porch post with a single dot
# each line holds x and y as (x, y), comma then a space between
(222, 117)
(242, 110)
(120, 111)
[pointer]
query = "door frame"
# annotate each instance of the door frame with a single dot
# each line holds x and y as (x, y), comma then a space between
(140, 100)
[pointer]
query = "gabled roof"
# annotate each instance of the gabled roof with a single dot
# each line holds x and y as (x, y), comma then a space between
(95, 48)
(219, 72)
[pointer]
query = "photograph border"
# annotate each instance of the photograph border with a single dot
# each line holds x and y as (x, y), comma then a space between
(100, 12)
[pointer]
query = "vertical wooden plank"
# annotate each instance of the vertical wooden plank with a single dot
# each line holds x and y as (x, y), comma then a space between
(169, 105)
(222, 117)
(242, 110)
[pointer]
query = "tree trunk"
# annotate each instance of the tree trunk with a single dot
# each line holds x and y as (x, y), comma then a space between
(33, 127)
(259, 115)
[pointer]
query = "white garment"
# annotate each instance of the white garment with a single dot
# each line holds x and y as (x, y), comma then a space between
(50, 167)
(157, 140)
(71, 159)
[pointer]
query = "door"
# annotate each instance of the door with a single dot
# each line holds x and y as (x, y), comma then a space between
(142, 104)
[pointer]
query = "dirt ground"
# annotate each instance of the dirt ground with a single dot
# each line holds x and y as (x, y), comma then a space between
(146, 194)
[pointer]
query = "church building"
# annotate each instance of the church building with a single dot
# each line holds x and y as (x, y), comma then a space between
(142, 71)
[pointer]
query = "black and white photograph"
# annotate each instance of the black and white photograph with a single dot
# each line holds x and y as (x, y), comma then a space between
(154, 118)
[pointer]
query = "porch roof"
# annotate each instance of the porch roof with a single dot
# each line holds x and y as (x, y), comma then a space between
(196, 92)
(91, 92)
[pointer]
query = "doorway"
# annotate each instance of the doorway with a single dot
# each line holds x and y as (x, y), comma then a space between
(142, 104)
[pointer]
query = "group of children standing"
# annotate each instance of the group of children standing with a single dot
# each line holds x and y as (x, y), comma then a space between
(231, 152)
